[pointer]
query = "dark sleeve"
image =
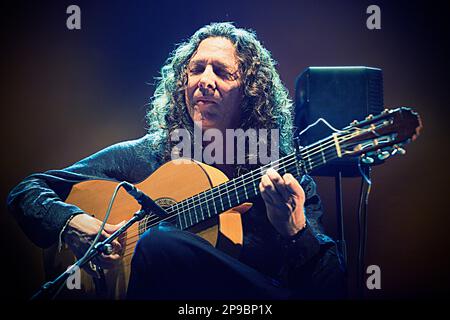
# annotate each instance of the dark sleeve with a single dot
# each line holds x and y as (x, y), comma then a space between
(38, 204)
(308, 242)
(267, 251)
(313, 266)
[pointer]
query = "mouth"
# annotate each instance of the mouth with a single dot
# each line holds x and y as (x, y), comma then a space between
(203, 102)
(206, 110)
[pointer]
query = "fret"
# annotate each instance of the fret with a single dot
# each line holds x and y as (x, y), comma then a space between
(195, 212)
(321, 152)
(189, 212)
(254, 181)
(175, 208)
(200, 206)
(235, 190)
(220, 197)
(305, 165)
(336, 143)
(245, 188)
(284, 169)
(298, 170)
(184, 216)
(198, 210)
(214, 203)
(179, 220)
(228, 195)
(207, 205)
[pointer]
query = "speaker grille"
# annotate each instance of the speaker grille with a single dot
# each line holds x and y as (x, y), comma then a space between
(339, 95)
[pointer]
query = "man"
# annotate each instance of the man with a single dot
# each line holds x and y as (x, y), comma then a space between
(221, 78)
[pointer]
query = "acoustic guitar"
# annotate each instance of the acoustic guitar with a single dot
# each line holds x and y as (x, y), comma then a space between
(201, 199)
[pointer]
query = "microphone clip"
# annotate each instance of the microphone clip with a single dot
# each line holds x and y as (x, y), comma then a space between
(148, 204)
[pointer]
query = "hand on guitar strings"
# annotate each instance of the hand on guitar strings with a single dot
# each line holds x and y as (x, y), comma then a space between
(81, 232)
(284, 199)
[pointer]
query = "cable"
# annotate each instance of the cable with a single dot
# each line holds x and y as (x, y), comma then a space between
(362, 225)
(97, 237)
(316, 122)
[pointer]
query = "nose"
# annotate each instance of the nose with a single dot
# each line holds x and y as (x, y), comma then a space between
(207, 83)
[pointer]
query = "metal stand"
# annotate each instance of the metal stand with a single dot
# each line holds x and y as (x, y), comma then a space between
(47, 291)
(340, 218)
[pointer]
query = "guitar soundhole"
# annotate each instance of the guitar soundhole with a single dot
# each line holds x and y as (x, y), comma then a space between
(152, 220)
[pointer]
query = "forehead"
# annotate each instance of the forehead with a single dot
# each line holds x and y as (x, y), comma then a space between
(216, 50)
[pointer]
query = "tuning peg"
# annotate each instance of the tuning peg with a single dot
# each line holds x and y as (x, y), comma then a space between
(383, 155)
(401, 151)
(398, 149)
(369, 117)
(367, 160)
(354, 122)
(385, 111)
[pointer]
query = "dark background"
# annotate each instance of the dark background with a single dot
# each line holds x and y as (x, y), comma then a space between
(66, 94)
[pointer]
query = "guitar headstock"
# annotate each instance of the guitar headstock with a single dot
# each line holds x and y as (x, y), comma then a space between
(380, 136)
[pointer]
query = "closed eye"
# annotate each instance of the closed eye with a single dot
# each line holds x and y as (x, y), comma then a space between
(221, 72)
(224, 74)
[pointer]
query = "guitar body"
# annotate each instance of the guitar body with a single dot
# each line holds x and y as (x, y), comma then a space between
(172, 182)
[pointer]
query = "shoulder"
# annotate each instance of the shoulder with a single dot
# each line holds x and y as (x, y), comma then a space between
(143, 147)
(130, 160)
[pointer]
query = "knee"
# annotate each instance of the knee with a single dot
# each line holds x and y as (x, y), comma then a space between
(156, 239)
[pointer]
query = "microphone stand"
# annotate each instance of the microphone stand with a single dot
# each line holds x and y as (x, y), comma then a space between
(102, 247)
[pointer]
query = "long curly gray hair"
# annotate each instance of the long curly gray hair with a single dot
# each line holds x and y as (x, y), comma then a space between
(266, 103)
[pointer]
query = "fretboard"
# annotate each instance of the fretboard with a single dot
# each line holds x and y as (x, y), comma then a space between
(212, 202)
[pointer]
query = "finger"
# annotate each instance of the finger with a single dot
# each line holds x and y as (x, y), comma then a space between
(268, 191)
(104, 235)
(294, 187)
(111, 228)
(278, 183)
(123, 240)
(111, 258)
(274, 176)
(264, 195)
(117, 246)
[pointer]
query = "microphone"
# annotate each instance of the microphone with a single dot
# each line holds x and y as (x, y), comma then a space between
(145, 201)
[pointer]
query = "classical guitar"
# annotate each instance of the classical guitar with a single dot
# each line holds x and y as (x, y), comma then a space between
(201, 199)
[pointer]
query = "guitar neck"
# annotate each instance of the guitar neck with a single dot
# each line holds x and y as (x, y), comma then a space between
(385, 133)
(212, 202)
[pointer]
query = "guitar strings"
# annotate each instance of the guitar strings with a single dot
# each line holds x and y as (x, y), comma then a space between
(288, 161)
(154, 222)
(216, 191)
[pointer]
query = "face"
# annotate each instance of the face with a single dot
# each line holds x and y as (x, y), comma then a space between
(214, 94)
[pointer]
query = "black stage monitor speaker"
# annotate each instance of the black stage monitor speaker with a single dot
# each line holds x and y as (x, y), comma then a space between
(338, 95)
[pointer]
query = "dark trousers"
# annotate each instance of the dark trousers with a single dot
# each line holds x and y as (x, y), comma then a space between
(172, 264)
